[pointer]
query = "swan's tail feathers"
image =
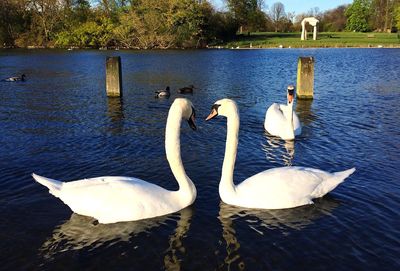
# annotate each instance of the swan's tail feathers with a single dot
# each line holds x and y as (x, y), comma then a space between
(54, 186)
(345, 173)
(332, 182)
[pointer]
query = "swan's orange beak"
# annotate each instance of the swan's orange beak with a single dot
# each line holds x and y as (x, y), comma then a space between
(290, 98)
(213, 114)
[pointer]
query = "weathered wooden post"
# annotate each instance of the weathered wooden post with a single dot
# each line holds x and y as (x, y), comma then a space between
(305, 78)
(113, 77)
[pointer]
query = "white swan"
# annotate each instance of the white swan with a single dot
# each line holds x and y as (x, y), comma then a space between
(281, 120)
(276, 188)
(113, 199)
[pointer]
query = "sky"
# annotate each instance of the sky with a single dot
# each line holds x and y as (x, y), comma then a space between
(298, 6)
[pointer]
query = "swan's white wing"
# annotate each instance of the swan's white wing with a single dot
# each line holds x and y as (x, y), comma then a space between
(279, 188)
(276, 122)
(296, 124)
(296, 121)
(112, 199)
(274, 114)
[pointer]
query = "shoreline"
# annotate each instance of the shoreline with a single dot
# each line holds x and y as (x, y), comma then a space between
(387, 46)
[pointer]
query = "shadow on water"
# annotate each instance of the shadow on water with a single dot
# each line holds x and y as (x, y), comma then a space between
(115, 112)
(262, 221)
(304, 111)
(82, 232)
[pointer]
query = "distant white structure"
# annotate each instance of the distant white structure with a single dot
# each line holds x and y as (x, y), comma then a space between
(312, 21)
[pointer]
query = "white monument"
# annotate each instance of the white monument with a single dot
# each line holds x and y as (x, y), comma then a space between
(312, 21)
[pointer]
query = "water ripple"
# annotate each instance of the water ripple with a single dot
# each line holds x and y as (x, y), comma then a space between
(60, 124)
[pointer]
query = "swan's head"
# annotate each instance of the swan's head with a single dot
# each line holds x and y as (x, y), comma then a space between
(222, 107)
(188, 112)
(290, 93)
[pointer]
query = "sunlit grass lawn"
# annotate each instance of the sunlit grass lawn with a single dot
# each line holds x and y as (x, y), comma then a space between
(324, 39)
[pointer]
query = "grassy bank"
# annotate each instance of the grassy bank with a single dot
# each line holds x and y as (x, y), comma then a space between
(325, 39)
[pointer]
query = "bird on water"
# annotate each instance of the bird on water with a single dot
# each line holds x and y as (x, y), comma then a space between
(185, 90)
(163, 93)
(15, 78)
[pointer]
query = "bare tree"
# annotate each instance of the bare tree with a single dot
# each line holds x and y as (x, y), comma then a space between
(277, 13)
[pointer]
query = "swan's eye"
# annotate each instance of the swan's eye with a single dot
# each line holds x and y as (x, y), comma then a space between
(215, 107)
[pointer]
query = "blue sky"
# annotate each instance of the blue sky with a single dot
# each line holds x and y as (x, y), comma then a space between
(298, 6)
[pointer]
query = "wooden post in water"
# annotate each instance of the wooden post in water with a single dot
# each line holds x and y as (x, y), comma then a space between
(305, 78)
(113, 77)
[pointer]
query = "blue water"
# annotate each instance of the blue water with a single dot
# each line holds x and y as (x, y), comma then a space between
(60, 124)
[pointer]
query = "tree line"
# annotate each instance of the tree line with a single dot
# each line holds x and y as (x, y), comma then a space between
(150, 24)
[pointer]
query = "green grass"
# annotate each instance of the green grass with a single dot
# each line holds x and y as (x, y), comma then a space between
(324, 39)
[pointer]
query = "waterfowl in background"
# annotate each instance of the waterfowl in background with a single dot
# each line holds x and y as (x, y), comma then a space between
(113, 199)
(163, 93)
(185, 90)
(15, 78)
(281, 120)
(276, 188)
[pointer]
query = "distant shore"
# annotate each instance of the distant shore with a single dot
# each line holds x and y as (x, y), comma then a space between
(264, 40)
(324, 40)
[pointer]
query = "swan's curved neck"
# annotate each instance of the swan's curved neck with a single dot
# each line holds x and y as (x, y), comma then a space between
(187, 190)
(226, 185)
(290, 112)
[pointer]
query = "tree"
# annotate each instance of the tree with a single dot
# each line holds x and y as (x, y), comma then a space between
(397, 16)
(277, 15)
(382, 18)
(162, 24)
(247, 13)
(358, 15)
(45, 19)
(12, 22)
(333, 20)
(92, 34)
(218, 26)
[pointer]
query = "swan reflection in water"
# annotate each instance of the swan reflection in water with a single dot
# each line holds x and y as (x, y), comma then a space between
(82, 232)
(261, 221)
(278, 150)
(282, 151)
(171, 258)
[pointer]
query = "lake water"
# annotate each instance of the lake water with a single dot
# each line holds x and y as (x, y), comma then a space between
(60, 124)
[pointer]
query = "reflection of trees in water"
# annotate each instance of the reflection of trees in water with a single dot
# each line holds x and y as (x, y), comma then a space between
(277, 150)
(262, 221)
(115, 113)
(82, 232)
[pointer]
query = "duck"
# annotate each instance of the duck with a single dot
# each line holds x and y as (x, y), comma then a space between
(275, 188)
(15, 78)
(163, 93)
(185, 90)
(281, 120)
(112, 199)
